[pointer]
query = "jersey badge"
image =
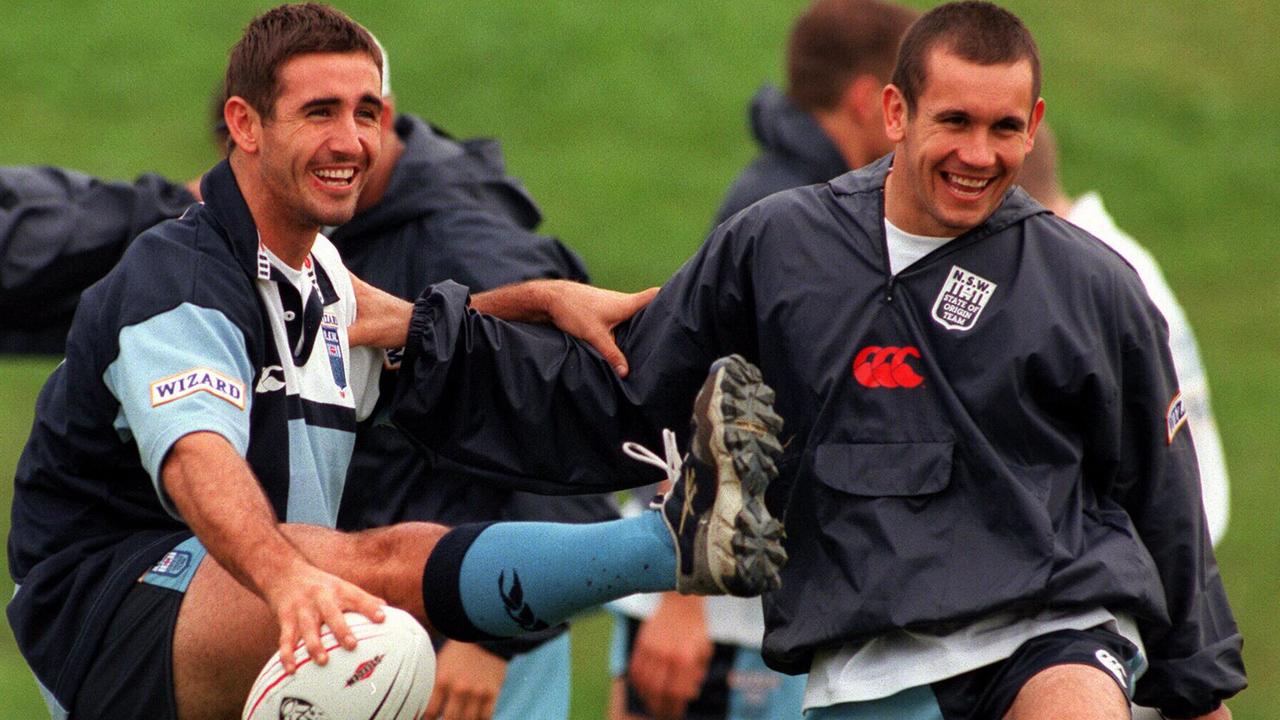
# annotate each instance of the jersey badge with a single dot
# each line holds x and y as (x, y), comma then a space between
(173, 563)
(1175, 417)
(190, 382)
(271, 379)
(333, 347)
(962, 299)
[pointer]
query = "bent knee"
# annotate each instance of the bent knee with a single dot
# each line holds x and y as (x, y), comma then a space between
(1078, 691)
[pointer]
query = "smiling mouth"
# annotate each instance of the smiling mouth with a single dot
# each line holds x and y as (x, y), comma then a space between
(964, 186)
(335, 178)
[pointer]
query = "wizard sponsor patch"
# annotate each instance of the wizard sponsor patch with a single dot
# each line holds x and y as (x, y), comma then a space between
(190, 382)
(963, 297)
(1175, 417)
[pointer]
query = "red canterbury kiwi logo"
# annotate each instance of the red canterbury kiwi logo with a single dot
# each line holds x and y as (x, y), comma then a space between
(886, 367)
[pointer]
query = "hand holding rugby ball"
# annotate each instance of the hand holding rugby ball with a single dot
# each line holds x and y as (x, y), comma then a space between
(388, 676)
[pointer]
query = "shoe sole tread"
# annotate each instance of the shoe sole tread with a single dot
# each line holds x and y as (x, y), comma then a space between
(747, 433)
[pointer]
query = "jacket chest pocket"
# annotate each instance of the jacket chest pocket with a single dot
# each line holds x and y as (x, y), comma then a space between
(873, 470)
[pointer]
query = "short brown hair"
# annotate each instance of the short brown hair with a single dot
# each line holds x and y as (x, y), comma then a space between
(979, 32)
(277, 35)
(837, 40)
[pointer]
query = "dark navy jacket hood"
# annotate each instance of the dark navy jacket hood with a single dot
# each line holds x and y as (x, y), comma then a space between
(794, 151)
(60, 231)
(437, 173)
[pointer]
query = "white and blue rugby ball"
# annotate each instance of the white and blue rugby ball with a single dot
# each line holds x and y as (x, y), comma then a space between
(387, 677)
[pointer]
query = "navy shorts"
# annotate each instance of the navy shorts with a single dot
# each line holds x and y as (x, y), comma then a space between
(989, 691)
(131, 677)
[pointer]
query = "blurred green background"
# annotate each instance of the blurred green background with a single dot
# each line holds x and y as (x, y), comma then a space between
(627, 122)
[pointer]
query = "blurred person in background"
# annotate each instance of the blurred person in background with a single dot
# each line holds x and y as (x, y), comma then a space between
(60, 231)
(830, 118)
(439, 209)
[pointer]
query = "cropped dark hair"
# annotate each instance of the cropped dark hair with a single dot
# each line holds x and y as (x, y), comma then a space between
(837, 40)
(277, 35)
(979, 32)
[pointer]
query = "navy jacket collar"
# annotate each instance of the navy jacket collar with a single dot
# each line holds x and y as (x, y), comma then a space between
(1017, 205)
(225, 204)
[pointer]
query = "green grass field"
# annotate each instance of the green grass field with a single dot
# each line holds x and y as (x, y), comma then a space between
(627, 121)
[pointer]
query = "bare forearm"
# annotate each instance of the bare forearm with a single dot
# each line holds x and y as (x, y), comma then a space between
(218, 495)
(221, 501)
(382, 319)
(529, 301)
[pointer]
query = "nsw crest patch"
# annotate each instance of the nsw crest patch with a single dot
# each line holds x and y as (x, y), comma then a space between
(962, 299)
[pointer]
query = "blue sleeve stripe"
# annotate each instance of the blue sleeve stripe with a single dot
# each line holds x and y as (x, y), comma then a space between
(185, 370)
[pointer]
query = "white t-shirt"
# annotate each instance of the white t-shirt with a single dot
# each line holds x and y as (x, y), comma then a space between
(903, 659)
(905, 248)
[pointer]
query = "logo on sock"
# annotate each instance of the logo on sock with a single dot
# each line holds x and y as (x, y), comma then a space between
(517, 609)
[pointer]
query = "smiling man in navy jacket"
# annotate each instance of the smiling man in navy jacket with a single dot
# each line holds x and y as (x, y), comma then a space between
(988, 483)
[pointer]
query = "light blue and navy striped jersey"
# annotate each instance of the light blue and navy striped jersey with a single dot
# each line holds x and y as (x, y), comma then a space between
(197, 329)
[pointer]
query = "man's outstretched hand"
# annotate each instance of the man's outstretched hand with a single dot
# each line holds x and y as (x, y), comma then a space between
(585, 312)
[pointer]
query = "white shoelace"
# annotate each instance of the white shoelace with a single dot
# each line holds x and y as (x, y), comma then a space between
(671, 465)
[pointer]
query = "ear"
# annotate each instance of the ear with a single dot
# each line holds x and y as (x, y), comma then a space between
(388, 113)
(243, 123)
(895, 113)
(1037, 114)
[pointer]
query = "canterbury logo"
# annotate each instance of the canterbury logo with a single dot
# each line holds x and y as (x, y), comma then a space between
(1109, 661)
(886, 367)
(271, 379)
(517, 609)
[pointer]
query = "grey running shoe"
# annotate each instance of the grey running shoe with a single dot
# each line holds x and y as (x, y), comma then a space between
(726, 540)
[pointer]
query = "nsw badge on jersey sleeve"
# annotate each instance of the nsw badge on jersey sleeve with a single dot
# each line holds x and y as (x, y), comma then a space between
(333, 348)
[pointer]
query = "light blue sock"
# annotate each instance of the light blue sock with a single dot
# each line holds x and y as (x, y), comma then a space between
(518, 577)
